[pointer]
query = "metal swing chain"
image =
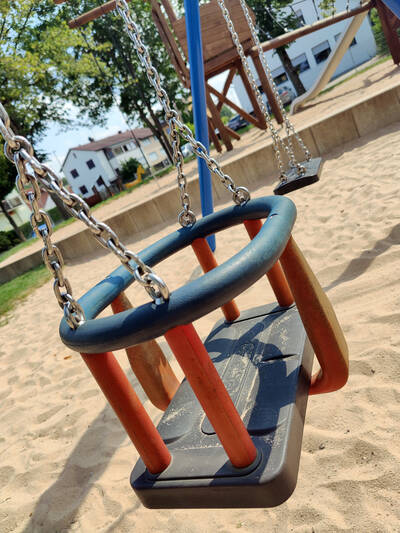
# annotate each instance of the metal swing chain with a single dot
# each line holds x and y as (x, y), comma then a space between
(20, 152)
(177, 128)
(275, 135)
(288, 124)
(290, 129)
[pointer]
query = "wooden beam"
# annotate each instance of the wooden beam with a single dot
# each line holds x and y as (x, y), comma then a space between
(216, 118)
(250, 93)
(389, 30)
(168, 9)
(286, 38)
(234, 106)
(276, 110)
(228, 82)
(93, 14)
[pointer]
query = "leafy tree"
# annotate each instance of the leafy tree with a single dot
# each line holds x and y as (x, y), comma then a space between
(119, 72)
(38, 70)
(226, 114)
(128, 170)
(7, 183)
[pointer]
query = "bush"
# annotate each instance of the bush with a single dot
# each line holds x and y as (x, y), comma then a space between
(8, 239)
(129, 169)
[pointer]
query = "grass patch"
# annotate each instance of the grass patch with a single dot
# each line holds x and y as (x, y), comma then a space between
(19, 288)
(5, 255)
(381, 60)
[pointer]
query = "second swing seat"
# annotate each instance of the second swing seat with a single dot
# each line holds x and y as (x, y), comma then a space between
(265, 361)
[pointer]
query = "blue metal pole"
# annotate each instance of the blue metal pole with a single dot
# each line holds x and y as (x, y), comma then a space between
(198, 89)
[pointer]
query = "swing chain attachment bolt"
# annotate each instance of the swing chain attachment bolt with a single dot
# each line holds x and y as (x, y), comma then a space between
(20, 152)
(177, 128)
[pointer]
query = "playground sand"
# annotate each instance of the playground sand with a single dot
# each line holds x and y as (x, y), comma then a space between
(65, 460)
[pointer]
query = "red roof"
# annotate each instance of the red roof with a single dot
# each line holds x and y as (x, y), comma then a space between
(139, 133)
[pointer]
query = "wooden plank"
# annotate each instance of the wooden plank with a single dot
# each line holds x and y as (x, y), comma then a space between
(225, 100)
(305, 30)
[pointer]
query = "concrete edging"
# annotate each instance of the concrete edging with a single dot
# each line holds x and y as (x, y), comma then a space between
(321, 137)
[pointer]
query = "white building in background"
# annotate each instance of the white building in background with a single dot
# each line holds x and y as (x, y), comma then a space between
(310, 52)
(95, 166)
(19, 211)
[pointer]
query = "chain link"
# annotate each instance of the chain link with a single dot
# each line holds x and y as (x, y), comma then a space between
(276, 139)
(177, 128)
(290, 129)
(20, 152)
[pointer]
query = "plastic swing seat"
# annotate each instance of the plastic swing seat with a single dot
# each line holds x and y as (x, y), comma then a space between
(294, 181)
(263, 358)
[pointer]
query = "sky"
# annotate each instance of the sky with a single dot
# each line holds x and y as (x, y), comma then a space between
(57, 141)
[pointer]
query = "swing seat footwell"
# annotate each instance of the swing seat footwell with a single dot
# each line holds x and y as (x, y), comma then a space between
(265, 360)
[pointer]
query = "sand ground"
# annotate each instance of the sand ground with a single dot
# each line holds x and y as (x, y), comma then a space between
(65, 460)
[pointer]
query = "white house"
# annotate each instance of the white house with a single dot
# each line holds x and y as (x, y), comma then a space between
(310, 52)
(19, 211)
(95, 166)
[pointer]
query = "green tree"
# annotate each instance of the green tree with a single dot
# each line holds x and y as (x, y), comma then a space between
(7, 183)
(119, 69)
(226, 114)
(38, 70)
(128, 170)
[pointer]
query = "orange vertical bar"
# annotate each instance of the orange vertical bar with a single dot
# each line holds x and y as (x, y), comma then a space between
(129, 409)
(207, 262)
(275, 275)
(212, 394)
(149, 364)
(320, 322)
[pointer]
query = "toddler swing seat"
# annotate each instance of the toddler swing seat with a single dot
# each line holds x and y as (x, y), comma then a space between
(264, 358)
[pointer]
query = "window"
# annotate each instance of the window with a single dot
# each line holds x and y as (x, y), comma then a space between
(100, 181)
(109, 153)
(83, 189)
(279, 76)
(146, 141)
(90, 163)
(153, 156)
(131, 145)
(353, 42)
(301, 63)
(321, 51)
(118, 150)
(74, 154)
(300, 18)
(14, 202)
(74, 173)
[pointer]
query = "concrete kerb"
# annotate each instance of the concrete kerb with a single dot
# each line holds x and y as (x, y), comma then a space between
(247, 168)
